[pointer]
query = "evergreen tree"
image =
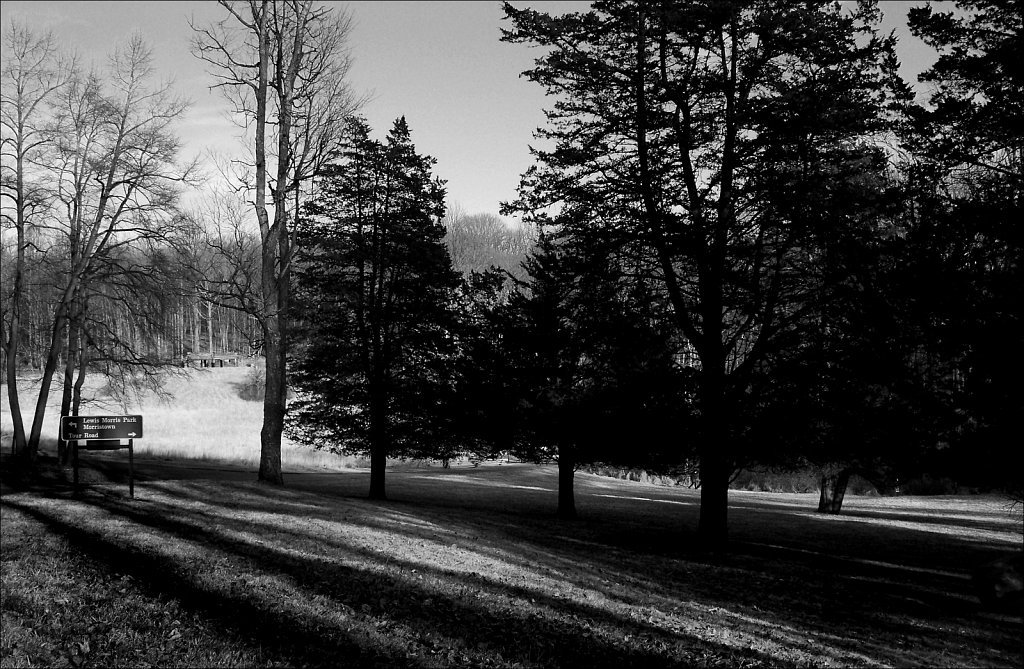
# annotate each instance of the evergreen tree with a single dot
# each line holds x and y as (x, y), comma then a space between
(372, 367)
(977, 102)
(905, 373)
(964, 225)
(700, 130)
(861, 393)
(485, 411)
(589, 376)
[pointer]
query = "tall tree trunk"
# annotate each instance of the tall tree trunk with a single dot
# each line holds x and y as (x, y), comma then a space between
(274, 399)
(19, 444)
(196, 325)
(378, 441)
(275, 351)
(566, 474)
(715, 464)
(275, 238)
(275, 282)
(274, 396)
(209, 329)
(378, 469)
(224, 325)
(76, 395)
(713, 527)
(49, 368)
(179, 343)
(833, 489)
(70, 362)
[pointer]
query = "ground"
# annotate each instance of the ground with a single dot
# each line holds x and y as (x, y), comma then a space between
(467, 566)
(470, 567)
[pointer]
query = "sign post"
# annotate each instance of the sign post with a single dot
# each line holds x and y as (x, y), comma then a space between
(103, 433)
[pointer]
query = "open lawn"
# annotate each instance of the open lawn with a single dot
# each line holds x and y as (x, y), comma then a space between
(469, 567)
(202, 417)
(466, 566)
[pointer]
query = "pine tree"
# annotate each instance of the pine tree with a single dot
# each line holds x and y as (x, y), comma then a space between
(591, 377)
(964, 225)
(376, 289)
(700, 131)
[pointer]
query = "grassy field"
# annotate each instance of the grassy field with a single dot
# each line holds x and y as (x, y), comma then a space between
(470, 567)
(203, 418)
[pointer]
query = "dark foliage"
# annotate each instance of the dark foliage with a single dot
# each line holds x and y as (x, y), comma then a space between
(573, 368)
(376, 288)
(966, 242)
(707, 134)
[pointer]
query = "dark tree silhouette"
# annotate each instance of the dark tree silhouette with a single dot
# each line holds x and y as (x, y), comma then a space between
(375, 293)
(965, 225)
(576, 371)
(696, 130)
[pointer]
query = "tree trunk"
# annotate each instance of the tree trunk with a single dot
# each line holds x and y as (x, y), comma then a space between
(274, 398)
(715, 463)
(833, 489)
(49, 368)
(275, 283)
(70, 362)
(274, 345)
(566, 472)
(209, 329)
(196, 325)
(76, 395)
(19, 445)
(378, 442)
(713, 527)
(378, 467)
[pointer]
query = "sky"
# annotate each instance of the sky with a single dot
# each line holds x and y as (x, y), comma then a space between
(439, 64)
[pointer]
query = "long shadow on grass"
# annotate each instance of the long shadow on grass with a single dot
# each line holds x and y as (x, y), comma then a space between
(873, 584)
(282, 637)
(934, 519)
(837, 543)
(426, 611)
(808, 591)
(517, 537)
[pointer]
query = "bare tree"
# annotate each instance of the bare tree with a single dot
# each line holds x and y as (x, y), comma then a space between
(283, 67)
(221, 255)
(480, 241)
(112, 157)
(32, 74)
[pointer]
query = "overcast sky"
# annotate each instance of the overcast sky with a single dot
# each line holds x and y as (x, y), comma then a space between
(440, 64)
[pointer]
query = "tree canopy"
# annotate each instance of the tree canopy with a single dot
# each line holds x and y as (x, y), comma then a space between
(375, 289)
(716, 142)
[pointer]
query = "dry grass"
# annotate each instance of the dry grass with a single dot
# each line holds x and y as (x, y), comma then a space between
(204, 419)
(469, 567)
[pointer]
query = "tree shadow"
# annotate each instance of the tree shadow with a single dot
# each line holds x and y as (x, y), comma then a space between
(873, 582)
(800, 579)
(932, 519)
(421, 613)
